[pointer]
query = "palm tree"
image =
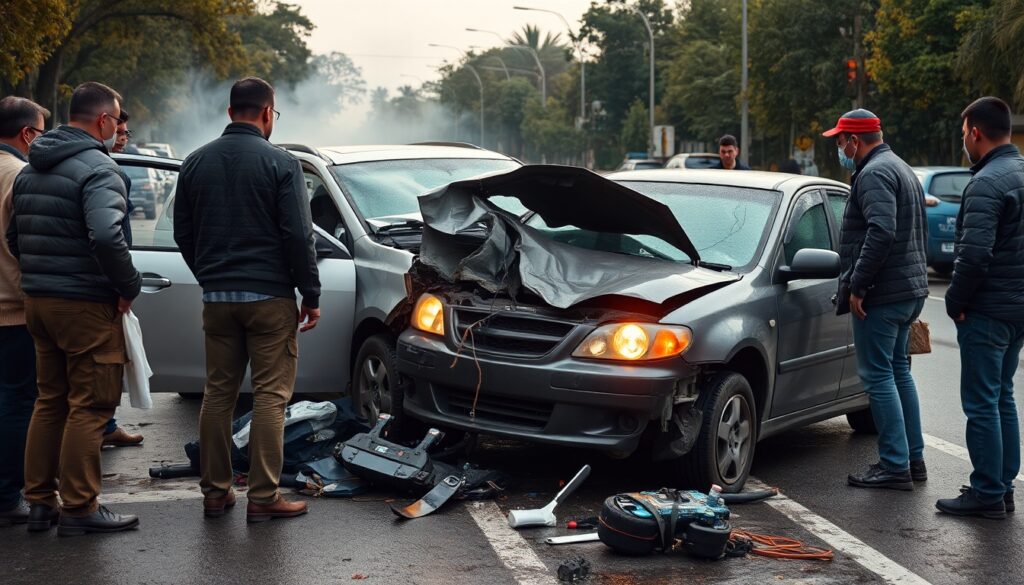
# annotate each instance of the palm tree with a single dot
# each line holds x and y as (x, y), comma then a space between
(990, 54)
(553, 52)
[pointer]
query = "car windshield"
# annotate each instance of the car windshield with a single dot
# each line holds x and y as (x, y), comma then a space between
(386, 189)
(726, 224)
(136, 172)
(949, 186)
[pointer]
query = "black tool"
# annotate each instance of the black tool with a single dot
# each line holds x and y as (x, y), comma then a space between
(434, 499)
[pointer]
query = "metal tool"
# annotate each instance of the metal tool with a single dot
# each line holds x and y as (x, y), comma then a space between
(573, 538)
(546, 516)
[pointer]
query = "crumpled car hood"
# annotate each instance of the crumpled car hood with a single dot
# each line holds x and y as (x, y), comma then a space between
(467, 238)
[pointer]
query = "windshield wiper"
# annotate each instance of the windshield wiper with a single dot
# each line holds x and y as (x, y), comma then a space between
(715, 266)
(408, 224)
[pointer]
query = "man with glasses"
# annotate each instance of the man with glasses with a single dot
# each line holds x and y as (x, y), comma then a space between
(77, 273)
(21, 122)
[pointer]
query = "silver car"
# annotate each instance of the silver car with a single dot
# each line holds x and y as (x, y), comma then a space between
(694, 308)
(363, 203)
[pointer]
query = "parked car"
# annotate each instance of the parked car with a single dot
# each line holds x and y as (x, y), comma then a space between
(363, 203)
(943, 189)
(694, 160)
(147, 189)
(161, 148)
(692, 308)
(633, 164)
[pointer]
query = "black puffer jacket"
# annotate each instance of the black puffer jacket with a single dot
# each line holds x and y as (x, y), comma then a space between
(242, 218)
(884, 233)
(988, 274)
(69, 208)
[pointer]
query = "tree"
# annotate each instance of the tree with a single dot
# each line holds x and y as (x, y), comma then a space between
(636, 131)
(48, 20)
(990, 58)
(549, 131)
(514, 95)
(553, 53)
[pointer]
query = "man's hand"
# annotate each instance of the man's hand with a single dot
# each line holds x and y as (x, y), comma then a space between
(123, 306)
(308, 318)
(962, 317)
(857, 306)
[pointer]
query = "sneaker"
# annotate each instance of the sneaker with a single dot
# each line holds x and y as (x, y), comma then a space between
(967, 504)
(1007, 498)
(215, 507)
(281, 508)
(877, 476)
(102, 520)
(42, 517)
(918, 472)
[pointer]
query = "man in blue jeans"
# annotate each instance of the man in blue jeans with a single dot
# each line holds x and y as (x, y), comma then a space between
(986, 299)
(884, 283)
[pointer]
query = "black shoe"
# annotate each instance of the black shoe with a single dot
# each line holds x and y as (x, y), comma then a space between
(102, 520)
(918, 472)
(1007, 498)
(16, 515)
(877, 476)
(969, 505)
(42, 517)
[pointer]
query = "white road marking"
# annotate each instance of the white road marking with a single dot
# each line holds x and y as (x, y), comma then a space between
(940, 299)
(511, 548)
(955, 450)
(890, 571)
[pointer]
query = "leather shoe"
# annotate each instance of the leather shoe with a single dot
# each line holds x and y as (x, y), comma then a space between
(877, 476)
(121, 438)
(281, 508)
(968, 504)
(1007, 498)
(102, 520)
(918, 472)
(42, 517)
(214, 507)
(16, 515)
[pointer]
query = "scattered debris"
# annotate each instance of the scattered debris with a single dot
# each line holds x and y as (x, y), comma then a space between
(573, 539)
(359, 576)
(574, 570)
(546, 516)
(588, 523)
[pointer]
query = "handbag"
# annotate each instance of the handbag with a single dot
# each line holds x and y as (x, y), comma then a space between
(920, 338)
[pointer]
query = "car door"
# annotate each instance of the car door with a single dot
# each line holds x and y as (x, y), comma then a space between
(850, 383)
(812, 339)
(170, 310)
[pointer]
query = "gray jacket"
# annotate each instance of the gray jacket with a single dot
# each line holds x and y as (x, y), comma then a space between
(69, 208)
(884, 234)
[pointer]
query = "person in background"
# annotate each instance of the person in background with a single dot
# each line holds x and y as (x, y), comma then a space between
(21, 122)
(729, 154)
(986, 300)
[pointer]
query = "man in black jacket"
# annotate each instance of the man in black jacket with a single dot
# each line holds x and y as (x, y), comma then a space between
(76, 270)
(986, 299)
(884, 282)
(242, 223)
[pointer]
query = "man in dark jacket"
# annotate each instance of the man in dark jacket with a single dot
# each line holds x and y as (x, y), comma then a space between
(986, 299)
(242, 223)
(729, 154)
(69, 206)
(884, 282)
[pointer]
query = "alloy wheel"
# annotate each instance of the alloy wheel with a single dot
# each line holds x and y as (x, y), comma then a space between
(733, 445)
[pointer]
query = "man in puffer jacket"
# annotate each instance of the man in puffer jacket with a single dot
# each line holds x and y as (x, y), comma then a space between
(884, 283)
(76, 270)
(986, 299)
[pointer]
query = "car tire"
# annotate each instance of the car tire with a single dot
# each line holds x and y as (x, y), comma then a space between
(376, 385)
(728, 405)
(862, 422)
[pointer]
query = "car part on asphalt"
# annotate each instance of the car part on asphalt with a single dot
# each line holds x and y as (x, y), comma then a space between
(382, 462)
(173, 471)
(574, 570)
(434, 499)
(640, 523)
(749, 497)
(573, 539)
(546, 516)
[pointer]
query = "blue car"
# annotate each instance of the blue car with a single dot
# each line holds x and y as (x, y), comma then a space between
(943, 188)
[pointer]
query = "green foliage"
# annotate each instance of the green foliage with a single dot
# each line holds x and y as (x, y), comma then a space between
(990, 56)
(20, 53)
(548, 131)
(636, 131)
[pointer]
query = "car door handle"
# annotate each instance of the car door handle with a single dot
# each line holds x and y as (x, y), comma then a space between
(156, 282)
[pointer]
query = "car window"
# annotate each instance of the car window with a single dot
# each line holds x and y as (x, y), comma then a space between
(647, 165)
(701, 162)
(152, 224)
(811, 228)
(385, 189)
(949, 186)
(322, 207)
(838, 202)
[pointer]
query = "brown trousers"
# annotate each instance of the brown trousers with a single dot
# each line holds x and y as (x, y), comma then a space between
(263, 333)
(80, 357)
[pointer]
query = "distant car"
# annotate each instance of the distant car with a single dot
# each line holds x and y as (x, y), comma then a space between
(162, 149)
(633, 164)
(147, 189)
(694, 160)
(943, 189)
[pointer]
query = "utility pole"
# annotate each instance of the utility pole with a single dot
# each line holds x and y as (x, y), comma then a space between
(650, 36)
(745, 104)
(861, 81)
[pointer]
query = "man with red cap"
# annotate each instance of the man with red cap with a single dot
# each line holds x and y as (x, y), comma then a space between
(884, 282)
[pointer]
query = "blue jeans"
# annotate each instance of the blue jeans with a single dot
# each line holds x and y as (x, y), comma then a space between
(884, 368)
(989, 355)
(17, 399)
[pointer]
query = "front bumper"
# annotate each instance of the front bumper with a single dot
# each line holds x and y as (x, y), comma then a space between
(555, 399)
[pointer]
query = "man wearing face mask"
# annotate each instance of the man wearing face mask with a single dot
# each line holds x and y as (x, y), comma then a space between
(242, 223)
(77, 274)
(884, 282)
(986, 300)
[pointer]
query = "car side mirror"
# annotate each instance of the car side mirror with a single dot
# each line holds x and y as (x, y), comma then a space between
(324, 249)
(811, 263)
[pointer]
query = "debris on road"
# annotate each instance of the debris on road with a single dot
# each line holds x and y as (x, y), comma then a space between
(546, 516)
(573, 539)
(574, 570)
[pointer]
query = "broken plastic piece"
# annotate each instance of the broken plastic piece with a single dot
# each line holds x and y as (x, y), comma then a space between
(573, 538)
(434, 499)
(546, 516)
(573, 570)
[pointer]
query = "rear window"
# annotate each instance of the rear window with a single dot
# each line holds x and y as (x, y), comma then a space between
(647, 165)
(949, 186)
(701, 162)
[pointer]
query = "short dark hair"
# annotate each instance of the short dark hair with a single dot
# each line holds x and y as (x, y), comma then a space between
(990, 115)
(250, 95)
(16, 113)
(728, 140)
(124, 115)
(91, 99)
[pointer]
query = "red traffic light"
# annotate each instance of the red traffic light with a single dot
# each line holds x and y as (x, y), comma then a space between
(851, 69)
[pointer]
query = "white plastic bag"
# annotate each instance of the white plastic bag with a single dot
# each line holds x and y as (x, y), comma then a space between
(136, 371)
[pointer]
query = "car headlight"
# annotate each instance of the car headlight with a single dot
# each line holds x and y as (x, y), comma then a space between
(635, 342)
(429, 315)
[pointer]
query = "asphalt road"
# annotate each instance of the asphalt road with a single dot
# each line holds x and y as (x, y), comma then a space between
(878, 537)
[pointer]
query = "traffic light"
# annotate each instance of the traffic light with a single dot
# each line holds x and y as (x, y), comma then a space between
(851, 70)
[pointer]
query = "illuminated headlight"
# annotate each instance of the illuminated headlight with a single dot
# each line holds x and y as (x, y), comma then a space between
(429, 315)
(635, 342)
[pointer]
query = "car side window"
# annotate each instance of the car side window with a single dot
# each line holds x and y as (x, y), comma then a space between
(322, 207)
(838, 202)
(810, 229)
(151, 194)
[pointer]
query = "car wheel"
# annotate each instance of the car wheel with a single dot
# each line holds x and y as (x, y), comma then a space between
(724, 451)
(375, 381)
(862, 422)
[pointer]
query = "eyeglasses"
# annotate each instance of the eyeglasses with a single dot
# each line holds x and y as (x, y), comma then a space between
(127, 133)
(277, 115)
(115, 118)
(36, 130)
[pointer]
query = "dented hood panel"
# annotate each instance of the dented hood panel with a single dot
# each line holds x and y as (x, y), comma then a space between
(466, 238)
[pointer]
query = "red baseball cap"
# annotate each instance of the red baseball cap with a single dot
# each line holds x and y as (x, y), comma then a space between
(856, 122)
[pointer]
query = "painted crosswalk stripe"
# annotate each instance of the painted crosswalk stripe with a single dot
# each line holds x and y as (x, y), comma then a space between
(511, 548)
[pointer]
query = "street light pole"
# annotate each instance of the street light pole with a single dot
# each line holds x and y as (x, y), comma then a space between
(536, 58)
(650, 35)
(745, 107)
(478, 81)
(500, 60)
(579, 50)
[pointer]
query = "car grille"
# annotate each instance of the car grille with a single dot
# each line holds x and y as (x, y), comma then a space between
(510, 333)
(495, 409)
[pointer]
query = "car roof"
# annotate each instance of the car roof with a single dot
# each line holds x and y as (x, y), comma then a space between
(696, 154)
(938, 169)
(341, 155)
(747, 179)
